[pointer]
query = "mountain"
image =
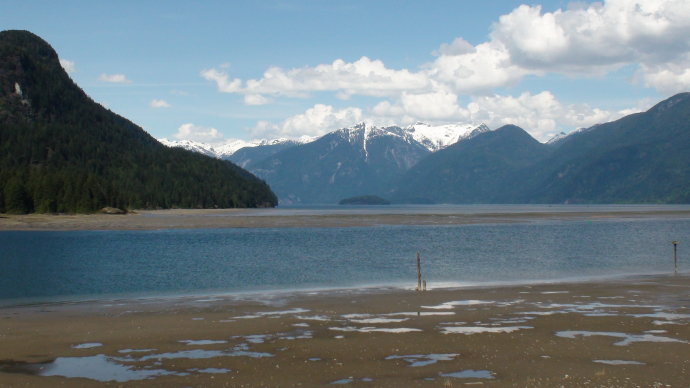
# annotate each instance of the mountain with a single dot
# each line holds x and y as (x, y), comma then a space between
(480, 169)
(189, 145)
(229, 148)
(436, 137)
(258, 152)
(640, 158)
(345, 163)
(62, 152)
(354, 161)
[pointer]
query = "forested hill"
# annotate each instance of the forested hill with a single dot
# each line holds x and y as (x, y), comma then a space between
(62, 152)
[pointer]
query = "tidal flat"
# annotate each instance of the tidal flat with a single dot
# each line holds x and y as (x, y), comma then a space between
(330, 217)
(622, 332)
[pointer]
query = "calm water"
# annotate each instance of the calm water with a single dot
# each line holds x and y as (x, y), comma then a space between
(45, 266)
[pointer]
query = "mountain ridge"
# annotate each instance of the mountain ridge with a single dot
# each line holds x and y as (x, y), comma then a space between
(640, 158)
(62, 152)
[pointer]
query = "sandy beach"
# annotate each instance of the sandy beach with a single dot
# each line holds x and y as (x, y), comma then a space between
(623, 332)
(266, 218)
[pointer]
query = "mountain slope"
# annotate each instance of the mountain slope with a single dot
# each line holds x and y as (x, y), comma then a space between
(345, 163)
(62, 152)
(246, 156)
(640, 158)
(480, 169)
(644, 157)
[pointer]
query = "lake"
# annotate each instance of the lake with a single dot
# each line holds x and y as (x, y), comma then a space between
(76, 265)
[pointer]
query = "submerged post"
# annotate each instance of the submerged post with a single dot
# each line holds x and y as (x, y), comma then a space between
(419, 272)
(675, 257)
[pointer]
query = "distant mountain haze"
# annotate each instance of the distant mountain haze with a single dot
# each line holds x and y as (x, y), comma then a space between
(62, 152)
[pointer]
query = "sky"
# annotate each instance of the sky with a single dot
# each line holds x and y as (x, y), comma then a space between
(214, 71)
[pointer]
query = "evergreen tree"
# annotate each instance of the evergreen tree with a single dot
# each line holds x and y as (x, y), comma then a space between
(62, 152)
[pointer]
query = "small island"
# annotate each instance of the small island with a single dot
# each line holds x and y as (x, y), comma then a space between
(365, 200)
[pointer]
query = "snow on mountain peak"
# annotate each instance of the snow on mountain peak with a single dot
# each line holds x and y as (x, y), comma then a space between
(433, 137)
(436, 137)
(230, 146)
(190, 145)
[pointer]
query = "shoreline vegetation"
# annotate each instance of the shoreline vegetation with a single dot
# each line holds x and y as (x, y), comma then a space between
(622, 332)
(271, 218)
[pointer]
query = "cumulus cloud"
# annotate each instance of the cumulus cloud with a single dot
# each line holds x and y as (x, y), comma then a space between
(68, 65)
(459, 46)
(155, 103)
(362, 77)
(315, 121)
(114, 78)
(584, 39)
(485, 68)
(189, 131)
(669, 78)
(597, 37)
(222, 80)
(541, 114)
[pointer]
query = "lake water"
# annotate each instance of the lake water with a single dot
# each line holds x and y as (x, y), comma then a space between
(50, 266)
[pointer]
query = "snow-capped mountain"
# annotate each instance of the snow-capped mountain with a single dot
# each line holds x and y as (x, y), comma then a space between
(230, 147)
(436, 137)
(562, 137)
(190, 145)
(557, 138)
(432, 137)
(358, 160)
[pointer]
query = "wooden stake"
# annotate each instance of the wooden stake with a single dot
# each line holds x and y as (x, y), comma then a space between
(419, 272)
(675, 257)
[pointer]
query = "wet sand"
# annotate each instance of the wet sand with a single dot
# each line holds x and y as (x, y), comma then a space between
(623, 332)
(265, 218)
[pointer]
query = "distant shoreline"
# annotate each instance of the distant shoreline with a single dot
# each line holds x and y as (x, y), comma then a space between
(273, 218)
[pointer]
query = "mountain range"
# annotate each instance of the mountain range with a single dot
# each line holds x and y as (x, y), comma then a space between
(640, 158)
(361, 159)
(62, 152)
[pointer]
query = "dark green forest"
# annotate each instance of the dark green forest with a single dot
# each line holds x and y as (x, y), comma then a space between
(60, 152)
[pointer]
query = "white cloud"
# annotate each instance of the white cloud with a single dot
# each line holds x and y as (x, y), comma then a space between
(459, 46)
(541, 114)
(255, 99)
(597, 37)
(582, 40)
(362, 77)
(222, 81)
(68, 65)
(155, 103)
(114, 78)
(441, 105)
(479, 71)
(315, 121)
(669, 78)
(189, 131)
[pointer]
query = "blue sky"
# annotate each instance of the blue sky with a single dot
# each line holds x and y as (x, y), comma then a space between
(218, 70)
